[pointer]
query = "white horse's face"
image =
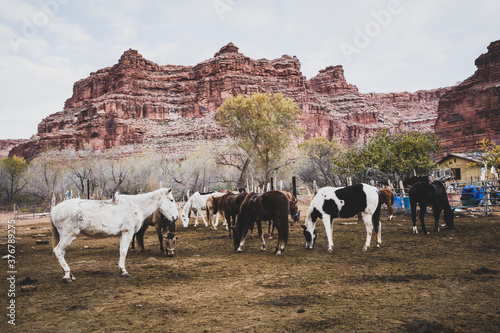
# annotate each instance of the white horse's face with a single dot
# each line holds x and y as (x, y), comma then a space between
(168, 207)
(185, 220)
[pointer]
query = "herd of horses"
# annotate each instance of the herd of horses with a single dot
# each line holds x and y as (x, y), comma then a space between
(129, 216)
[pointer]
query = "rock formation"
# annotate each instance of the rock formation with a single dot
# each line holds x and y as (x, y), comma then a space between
(7, 145)
(470, 111)
(171, 108)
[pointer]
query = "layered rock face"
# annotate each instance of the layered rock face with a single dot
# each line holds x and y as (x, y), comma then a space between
(172, 108)
(7, 145)
(470, 111)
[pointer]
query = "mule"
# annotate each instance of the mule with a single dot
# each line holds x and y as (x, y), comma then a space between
(344, 202)
(164, 229)
(196, 203)
(430, 194)
(121, 216)
(270, 206)
(229, 206)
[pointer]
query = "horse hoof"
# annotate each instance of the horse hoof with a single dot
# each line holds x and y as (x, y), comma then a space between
(271, 237)
(379, 245)
(330, 250)
(279, 253)
(365, 248)
(67, 280)
(125, 274)
(262, 249)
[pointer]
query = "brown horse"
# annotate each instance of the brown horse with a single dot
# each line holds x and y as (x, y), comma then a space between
(387, 198)
(229, 206)
(293, 211)
(164, 228)
(210, 209)
(273, 206)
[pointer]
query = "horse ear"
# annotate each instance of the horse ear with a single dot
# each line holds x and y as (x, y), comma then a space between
(169, 190)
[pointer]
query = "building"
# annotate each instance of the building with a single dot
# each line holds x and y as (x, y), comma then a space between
(464, 166)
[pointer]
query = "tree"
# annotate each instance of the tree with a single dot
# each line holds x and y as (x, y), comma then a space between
(490, 154)
(12, 169)
(265, 125)
(318, 162)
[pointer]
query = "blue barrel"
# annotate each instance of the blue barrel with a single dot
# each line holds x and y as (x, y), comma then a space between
(398, 205)
(406, 201)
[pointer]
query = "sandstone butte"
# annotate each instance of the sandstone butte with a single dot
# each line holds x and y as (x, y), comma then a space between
(137, 104)
(470, 111)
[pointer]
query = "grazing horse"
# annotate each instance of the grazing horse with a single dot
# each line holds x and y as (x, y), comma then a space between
(94, 218)
(195, 204)
(273, 206)
(430, 194)
(164, 228)
(344, 202)
(293, 211)
(210, 210)
(229, 206)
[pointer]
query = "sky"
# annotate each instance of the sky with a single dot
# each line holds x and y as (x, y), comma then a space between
(383, 45)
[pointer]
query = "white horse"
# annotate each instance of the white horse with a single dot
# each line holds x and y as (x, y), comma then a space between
(122, 216)
(196, 203)
(344, 202)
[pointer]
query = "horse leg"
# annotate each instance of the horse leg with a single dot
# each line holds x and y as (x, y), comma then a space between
(270, 229)
(160, 237)
(261, 235)
(204, 220)
(125, 240)
(65, 241)
(423, 210)
(244, 232)
(328, 223)
(414, 217)
(140, 237)
(367, 219)
(196, 223)
(282, 238)
(436, 209)
(391, 211)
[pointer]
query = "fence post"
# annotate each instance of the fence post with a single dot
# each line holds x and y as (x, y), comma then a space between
(294, 187)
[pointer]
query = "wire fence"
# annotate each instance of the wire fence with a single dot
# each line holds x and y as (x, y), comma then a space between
(481, 197)
(31, 210)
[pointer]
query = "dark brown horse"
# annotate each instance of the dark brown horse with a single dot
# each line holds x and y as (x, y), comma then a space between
(430, 194)
(229, 206)
(293, 211)
(164, 228)
(270, 206)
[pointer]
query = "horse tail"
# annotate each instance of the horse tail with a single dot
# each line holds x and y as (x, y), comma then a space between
(376, 215)
(392, 199)
(285, 204)
(55, 233)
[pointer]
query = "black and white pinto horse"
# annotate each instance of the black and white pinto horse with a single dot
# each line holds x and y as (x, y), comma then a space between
(344, 202)
(430, 194)
(123, 216)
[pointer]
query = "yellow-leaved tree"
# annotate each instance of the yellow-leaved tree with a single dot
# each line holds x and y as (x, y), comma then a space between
(264, 125)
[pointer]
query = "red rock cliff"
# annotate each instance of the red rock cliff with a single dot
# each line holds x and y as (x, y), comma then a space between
(470, 111)
(171, 108)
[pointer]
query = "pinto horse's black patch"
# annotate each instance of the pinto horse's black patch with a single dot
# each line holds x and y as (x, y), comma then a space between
(353, 200)
(316, 214)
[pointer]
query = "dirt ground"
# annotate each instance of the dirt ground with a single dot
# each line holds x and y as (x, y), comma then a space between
(442, 282)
